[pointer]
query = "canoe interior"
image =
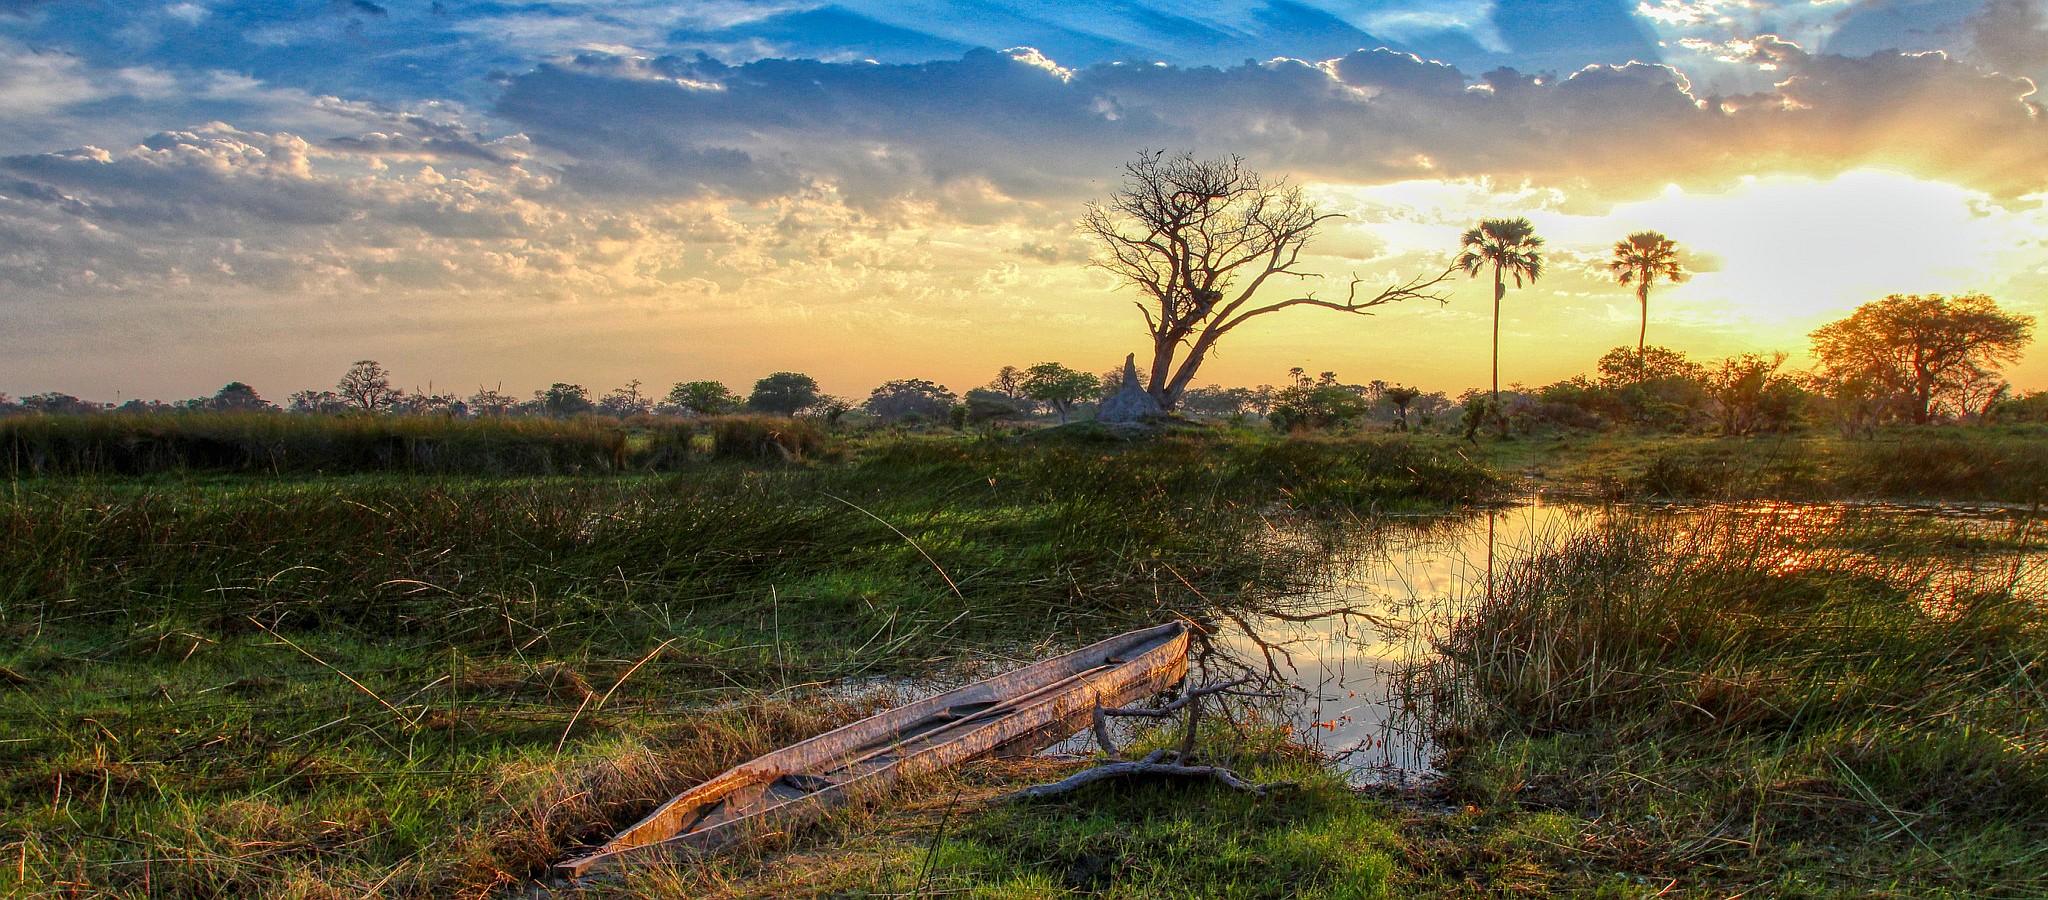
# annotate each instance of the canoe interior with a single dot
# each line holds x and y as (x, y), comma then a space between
(1014, 713)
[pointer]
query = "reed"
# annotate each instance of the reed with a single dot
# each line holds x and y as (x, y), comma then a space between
(273, 443)
(1757, 701)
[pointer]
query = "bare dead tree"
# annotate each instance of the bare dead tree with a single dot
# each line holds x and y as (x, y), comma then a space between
(1199, 239)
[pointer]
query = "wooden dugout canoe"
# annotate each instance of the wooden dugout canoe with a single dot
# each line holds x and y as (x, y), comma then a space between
(1015, 713)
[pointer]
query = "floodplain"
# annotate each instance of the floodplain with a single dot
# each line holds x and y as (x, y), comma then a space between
(302, 684)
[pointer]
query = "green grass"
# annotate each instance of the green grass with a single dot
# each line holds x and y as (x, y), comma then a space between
(412, 686)
(1956, 464)
(1751, 703)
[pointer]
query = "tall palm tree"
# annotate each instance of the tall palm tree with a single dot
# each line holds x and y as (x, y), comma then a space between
(1641, 260)
(1510, 247)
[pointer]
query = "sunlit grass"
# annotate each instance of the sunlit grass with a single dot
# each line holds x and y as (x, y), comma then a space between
(1742, 702)
(406, 686)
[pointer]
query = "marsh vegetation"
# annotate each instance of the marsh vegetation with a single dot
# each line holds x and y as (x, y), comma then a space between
(399, 684)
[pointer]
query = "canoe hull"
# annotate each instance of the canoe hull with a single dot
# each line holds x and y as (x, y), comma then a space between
(1016, 713)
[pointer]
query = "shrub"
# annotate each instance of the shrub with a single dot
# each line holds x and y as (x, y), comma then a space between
(766, 438)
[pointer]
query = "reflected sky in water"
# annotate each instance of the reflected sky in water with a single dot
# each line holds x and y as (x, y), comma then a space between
(1392, 591)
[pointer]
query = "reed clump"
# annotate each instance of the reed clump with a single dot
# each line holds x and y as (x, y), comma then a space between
(1756, 701)
(275, 443)
(766, 438)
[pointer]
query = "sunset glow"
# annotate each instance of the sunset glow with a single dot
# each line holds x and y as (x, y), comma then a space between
(516, 194)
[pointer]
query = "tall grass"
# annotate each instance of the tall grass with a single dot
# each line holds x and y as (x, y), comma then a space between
(275, 443)
(400, 685)
(1945, 463)
(1770, 703)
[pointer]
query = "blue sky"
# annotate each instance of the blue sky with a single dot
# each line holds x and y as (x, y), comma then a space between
(522, 192)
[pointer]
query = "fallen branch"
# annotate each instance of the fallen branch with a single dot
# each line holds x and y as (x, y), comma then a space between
(1143, 769)
(1101, 717)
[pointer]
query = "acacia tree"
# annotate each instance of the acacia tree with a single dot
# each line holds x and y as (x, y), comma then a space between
(1921, 350)
(367, 386)
(1511, 248)
(1640, 260)
(703, 398)
(1057, 386)
(1199, 239)
(785, 394)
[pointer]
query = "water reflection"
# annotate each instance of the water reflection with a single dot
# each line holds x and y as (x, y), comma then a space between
(1392, 591)
(1384, 602)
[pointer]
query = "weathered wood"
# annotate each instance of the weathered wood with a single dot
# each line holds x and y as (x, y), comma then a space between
(1021, 711)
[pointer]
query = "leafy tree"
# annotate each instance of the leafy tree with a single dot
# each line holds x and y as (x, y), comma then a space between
(1654, 386)
(232, 397)
(56, 404)
(1009, 382)
(1640, 260)
(910, 398)
(489, 402)
(1321, 402)
(1217, 400)
(985, 405)
(367, 386)
(784, 393)
(426, 403)
(1919, 352)
(625, 402)
(2028, 408)
(1058, 386)
(560, 401)
(703, 398)
(1511, 249)
(319, 402)
(1400, 396)
(1198, 239)
(1749, 394)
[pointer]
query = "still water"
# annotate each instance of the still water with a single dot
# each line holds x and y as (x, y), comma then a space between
(1391, 593)
(1384, 603)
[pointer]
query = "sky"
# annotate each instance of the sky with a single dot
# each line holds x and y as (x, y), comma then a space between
(512, 193)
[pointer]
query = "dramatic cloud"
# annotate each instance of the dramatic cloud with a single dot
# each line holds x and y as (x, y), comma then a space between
(881, 133)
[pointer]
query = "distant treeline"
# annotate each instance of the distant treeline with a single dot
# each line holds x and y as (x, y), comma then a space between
(143, 443)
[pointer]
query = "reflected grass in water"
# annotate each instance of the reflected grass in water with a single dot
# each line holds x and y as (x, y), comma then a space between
(1765, 699)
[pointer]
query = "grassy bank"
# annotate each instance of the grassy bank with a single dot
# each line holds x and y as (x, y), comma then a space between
(1735, 705)
(408, 686)
(2007, 465)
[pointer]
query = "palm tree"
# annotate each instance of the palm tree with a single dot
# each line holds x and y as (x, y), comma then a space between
(1640, 260)
(1510, 247)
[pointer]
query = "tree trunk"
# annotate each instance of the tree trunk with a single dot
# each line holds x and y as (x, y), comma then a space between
(1643, 297)
(1162, 369)
(1500, 290)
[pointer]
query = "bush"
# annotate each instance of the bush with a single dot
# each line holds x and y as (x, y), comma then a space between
(668, 444)
(765, 438)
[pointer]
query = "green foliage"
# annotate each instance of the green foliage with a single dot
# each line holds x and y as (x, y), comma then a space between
(1058, 386)
(561, 401)
(1917, 357)
(784, 394)
(911, 397)
(128, 444)
(703, 398)
(766, 438)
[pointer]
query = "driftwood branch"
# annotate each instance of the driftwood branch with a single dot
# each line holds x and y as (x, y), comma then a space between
(1191, 701)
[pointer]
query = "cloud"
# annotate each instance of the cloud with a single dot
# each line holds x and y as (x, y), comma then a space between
(2011, 35)
(1035, 133)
